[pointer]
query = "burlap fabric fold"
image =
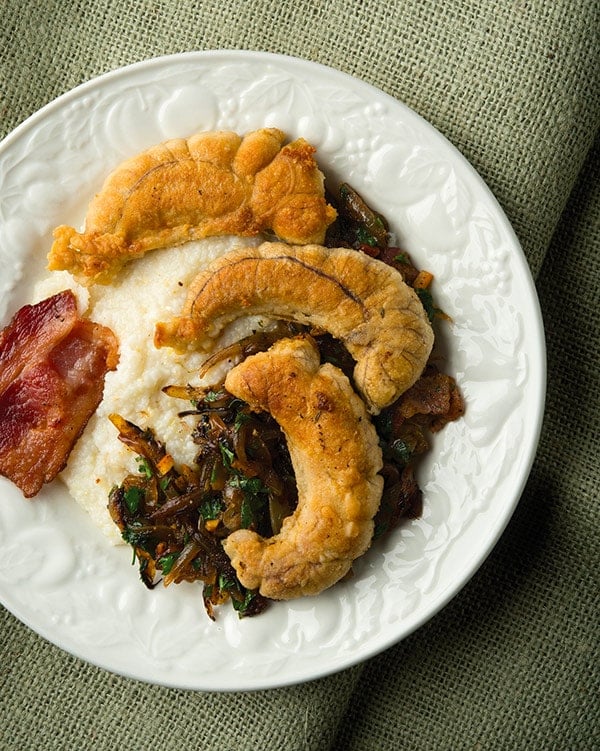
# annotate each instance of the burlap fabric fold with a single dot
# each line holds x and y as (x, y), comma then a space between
(512, 662)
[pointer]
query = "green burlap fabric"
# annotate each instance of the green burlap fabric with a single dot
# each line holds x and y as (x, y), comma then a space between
(512, 662)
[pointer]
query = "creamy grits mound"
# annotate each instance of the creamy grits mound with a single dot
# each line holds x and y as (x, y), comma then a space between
(148, 290)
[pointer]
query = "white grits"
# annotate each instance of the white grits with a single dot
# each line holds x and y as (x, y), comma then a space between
(148, 290)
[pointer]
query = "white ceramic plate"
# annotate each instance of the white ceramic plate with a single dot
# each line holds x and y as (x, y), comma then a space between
(58, 574)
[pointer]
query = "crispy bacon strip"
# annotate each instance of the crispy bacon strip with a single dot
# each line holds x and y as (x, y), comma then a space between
(52, 369)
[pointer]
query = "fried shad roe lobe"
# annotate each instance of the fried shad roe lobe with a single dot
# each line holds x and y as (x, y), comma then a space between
(214, 183)
(336, 458)
(52, 369)
(359, 300)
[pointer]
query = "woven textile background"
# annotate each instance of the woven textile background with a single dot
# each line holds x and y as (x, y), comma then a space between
(512, 661)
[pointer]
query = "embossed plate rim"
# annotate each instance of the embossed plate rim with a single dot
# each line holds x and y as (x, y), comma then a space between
(504, 267)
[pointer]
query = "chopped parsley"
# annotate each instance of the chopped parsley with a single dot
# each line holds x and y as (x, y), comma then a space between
(133, 496)
(427, 302)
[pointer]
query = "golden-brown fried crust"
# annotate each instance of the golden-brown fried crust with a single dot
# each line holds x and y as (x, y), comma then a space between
(336, 456)
(361, 301)
(214, 183)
